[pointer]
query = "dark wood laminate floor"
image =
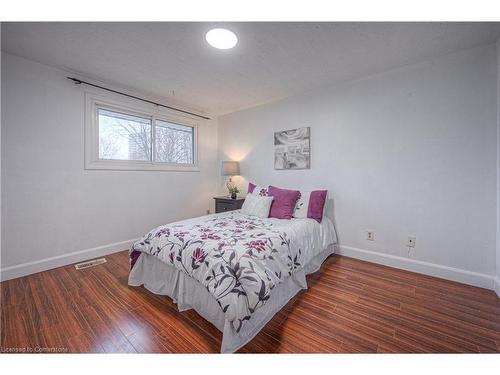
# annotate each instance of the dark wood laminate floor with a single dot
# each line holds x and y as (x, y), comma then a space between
(351, 307)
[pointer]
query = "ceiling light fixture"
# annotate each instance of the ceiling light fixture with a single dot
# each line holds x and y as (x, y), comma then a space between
(221, 38)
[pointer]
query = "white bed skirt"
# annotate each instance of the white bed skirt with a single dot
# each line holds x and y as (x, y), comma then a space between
(162, 279)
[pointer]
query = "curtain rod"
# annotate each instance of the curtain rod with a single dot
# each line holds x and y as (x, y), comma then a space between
(79, 82)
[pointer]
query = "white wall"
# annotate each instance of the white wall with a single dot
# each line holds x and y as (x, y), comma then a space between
(51, 206)
(497, 280)
(0, 149)
(409, 151)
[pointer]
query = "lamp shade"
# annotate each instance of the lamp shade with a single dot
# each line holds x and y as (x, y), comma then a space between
(230, 168)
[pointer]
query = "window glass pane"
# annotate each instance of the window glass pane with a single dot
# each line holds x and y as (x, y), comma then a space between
(174, 143)
(123, 137)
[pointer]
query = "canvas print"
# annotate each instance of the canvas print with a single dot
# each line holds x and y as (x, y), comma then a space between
(292, 149)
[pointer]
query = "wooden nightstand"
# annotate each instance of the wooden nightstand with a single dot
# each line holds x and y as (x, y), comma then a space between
(223, 204)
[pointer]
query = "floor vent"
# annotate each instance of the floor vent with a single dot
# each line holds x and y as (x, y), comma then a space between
(90, 263)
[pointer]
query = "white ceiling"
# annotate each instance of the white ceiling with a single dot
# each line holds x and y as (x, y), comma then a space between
(270, 62)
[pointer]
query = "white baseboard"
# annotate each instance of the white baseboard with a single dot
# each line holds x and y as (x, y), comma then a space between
(29, 268)
(431, 269)
(426, 268)
(497, 286)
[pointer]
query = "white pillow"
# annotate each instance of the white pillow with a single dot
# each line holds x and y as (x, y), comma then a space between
(260, 190)
(257, 205)
(302, 205)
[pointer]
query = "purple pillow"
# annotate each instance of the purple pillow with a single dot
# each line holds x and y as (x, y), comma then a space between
(283, 202)
(251, 187)
(317, 201)
(262, 190)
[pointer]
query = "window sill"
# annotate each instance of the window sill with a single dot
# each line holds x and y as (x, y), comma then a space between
(118, 165)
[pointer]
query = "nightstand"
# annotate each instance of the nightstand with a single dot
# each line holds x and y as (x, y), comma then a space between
(223, 204)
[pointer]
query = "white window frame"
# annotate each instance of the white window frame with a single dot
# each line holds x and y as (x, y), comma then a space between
(93, 102)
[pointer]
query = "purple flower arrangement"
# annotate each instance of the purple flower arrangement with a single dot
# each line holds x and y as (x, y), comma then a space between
(199, 255)
(258, 245)
(163, 232)
(180, 234)
(209, 236)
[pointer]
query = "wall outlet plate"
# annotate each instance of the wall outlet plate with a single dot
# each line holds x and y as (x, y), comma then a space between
(411, 241)
(370, 235)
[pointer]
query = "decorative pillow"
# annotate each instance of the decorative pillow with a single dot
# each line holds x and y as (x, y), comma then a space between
(311, 204)
(302, 205)
(317, 202)
(256, 205)
(283, 203)
(259, 190)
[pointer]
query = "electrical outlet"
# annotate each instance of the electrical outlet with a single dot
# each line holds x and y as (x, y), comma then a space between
(370, 235)
(411, 241)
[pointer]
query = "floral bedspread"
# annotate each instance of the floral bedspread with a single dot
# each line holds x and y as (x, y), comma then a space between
(238, 258)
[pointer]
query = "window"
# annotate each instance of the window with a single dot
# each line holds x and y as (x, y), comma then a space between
(135, 138)
(123, 137)
(174, 143)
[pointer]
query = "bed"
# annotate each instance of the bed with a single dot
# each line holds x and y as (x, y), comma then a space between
(236, 271)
